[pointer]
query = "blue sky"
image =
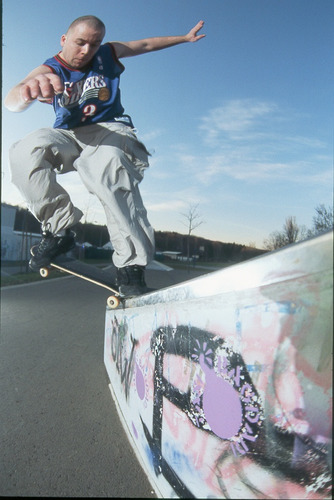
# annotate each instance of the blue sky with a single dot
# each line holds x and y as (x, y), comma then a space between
(240, 123)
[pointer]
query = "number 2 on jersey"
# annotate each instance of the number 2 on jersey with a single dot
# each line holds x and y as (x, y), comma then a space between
(88, 110)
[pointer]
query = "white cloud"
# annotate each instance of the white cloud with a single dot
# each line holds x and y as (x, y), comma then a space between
(168, 205)
(237, 167)
(151, 135)
(254, 140)
(235, 118)
(174, 200)
(243, 166)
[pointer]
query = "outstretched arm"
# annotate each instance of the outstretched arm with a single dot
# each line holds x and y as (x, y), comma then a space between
(40, 84)
(134, 48)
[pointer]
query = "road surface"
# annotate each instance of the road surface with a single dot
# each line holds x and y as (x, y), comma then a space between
(60, 433)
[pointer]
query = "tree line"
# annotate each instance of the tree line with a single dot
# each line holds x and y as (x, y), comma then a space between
(186, 244)
(291, 232)
(202, 248)
(190, 245)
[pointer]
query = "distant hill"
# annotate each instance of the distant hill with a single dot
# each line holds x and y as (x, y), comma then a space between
(204, 249)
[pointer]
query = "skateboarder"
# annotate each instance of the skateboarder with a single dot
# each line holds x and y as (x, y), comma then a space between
(92, 136)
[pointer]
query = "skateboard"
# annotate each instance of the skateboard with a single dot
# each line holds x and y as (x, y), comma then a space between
(86, 272)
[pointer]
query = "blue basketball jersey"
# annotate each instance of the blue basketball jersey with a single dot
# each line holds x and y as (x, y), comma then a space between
(92, 94)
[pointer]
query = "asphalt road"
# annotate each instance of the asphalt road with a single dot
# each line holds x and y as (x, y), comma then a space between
(60, 432)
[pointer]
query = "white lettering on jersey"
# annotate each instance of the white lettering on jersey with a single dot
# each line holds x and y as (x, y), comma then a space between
(81, 91)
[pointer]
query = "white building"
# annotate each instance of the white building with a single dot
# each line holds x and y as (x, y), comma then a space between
(15, 245)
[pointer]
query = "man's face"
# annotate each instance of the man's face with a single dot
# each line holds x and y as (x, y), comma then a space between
(80, 44)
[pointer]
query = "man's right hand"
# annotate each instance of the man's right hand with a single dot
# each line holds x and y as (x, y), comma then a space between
(43, 87)
(40, 84)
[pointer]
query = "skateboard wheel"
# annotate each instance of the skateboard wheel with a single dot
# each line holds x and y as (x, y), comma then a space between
(113, 302)
(44, 272)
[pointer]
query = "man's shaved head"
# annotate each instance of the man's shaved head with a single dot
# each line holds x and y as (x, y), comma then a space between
(82, 41)
(91, 21)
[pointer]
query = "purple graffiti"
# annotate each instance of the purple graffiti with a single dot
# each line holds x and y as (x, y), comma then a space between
(221, 404)
(140, 382)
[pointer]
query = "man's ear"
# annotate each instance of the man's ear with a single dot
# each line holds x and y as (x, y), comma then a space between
(63, 40)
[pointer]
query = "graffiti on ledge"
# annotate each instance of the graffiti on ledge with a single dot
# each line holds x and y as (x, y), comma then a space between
(220, 399)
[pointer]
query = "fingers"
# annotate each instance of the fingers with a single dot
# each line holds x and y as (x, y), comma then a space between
(199, 25)
(193, 36)
(44, 87)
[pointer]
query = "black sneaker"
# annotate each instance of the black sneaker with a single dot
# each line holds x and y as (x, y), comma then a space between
(131, 281)
(50, 247)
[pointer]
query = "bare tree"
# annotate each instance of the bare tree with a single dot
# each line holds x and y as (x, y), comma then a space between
(274, 241)
(193, 220)
(291, 233)
(322, 221)
(291, 230)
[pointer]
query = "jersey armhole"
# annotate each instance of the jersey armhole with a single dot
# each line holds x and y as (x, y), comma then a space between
(114, 56)
(50, 68)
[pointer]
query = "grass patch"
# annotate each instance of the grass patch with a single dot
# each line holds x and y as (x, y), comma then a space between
(22, 278)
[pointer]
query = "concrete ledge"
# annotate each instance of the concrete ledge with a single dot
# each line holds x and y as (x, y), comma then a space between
(224, 383)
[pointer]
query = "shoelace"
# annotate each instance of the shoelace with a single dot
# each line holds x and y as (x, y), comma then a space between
(42, 246)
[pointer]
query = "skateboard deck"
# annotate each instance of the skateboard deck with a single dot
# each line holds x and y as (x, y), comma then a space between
(86, 272)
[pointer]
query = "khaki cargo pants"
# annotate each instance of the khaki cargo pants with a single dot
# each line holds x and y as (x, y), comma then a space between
(110, 162)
